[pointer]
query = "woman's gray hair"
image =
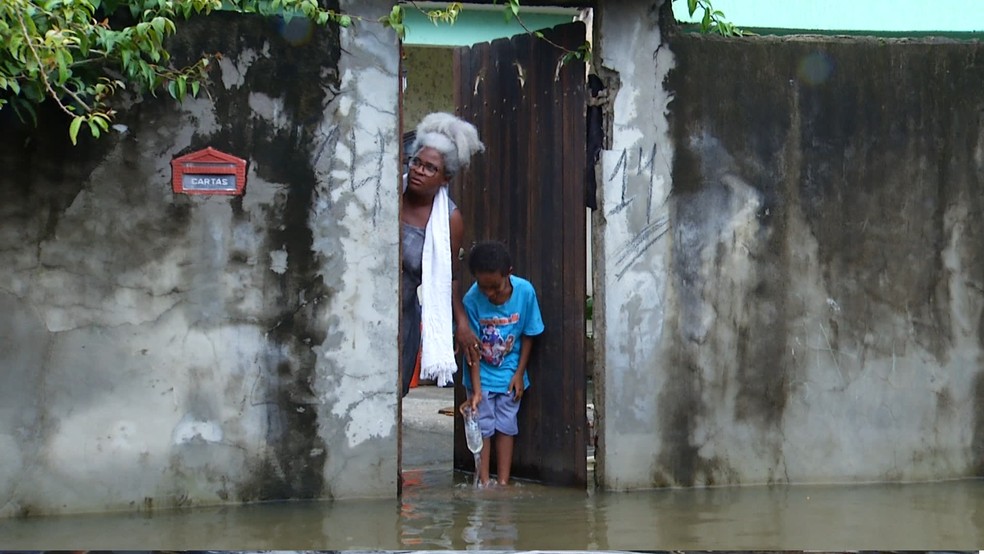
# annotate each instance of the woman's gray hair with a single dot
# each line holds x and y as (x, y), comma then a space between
(453, 137)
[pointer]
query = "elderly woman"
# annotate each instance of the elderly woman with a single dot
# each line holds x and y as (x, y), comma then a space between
(431, 230)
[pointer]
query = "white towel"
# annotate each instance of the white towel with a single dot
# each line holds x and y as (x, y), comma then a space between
(437, 340)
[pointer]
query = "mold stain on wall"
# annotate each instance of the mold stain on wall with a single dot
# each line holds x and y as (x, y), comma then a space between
(820, 228)
(292, 78)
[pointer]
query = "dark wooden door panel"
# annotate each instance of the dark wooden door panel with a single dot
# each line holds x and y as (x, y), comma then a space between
(527, 190)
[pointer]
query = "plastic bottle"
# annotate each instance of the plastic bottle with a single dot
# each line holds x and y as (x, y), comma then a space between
(473, 433)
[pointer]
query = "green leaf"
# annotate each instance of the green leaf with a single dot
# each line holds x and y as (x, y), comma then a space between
(102, 120)
(73, 129)
(94, 128)
(60, 56)
(159, 24)
(16, 49)
(182, 87)
(195, 85)
(692, 6)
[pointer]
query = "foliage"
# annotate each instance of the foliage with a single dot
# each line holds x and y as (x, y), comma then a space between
(80, 53)
(713, 21)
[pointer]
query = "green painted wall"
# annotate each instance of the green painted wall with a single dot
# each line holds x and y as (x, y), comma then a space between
(880, 16)
(474, 26)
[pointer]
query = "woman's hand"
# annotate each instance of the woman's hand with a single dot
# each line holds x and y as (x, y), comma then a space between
(468, 343)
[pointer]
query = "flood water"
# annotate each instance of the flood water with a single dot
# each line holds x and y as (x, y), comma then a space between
(441, 510)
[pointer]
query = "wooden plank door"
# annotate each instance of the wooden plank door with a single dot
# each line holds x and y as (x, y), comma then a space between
(527, 190)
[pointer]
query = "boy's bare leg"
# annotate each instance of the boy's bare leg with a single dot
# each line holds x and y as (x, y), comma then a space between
(503, 457)
(485, 456)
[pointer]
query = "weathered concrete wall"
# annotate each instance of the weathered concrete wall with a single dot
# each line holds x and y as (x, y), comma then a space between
(164, 350)
(630, 260)
(789, 242)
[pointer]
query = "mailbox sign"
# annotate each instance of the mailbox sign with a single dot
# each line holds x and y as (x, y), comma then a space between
(208, 171)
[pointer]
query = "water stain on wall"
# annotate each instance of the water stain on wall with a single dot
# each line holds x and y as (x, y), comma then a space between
(296, 76)
(853, 154)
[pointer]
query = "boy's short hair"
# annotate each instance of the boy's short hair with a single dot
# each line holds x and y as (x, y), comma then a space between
(489, 256)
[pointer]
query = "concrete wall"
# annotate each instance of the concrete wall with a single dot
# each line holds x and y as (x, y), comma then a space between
(788, 258)
(165, 350)
(788, 286)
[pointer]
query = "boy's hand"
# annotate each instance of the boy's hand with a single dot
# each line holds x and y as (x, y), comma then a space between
(471, 403)
(516, 386)
(468, 343)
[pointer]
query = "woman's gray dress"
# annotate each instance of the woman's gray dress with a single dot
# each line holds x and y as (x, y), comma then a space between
(413, 252)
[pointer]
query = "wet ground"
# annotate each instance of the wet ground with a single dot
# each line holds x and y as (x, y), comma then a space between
(428, 434)
(440, 510)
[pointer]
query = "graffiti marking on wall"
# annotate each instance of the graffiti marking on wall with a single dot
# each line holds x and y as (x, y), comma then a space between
(640, 243)
(620, 170)
(374, 177)
(329, 143)
(645, 167)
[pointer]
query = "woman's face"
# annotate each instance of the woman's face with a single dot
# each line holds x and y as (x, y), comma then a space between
(426, 171)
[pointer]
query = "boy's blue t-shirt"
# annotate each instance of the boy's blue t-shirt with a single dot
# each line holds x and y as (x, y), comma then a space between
(500, 330)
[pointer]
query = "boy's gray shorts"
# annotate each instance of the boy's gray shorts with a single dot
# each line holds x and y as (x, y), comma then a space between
(497, 412)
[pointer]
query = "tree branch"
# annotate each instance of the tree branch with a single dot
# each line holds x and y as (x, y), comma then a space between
(44, 76)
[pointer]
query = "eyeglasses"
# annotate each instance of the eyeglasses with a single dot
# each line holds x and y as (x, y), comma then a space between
(427, 168)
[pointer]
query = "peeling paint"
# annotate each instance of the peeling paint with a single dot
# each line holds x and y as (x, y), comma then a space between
(190, 429)
(278, 261)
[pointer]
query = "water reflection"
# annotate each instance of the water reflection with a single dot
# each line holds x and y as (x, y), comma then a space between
(443, 511)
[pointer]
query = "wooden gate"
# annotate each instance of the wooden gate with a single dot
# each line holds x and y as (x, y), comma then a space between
(527, 190)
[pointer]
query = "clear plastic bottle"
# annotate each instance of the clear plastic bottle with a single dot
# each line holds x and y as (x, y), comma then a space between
(473, 433)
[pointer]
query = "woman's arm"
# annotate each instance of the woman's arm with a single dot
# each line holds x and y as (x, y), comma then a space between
(467, 341)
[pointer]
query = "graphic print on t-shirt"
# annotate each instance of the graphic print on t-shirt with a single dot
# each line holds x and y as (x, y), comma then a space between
(494, 345)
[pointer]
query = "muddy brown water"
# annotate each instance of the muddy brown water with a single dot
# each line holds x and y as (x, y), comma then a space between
(440, 510)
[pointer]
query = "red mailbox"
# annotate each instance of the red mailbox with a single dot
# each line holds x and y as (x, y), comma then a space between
(208, 171)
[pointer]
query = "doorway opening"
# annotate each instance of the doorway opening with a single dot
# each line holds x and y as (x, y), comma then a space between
(440, 67)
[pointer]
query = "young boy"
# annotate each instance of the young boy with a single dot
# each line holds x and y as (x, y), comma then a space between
(504, 313)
